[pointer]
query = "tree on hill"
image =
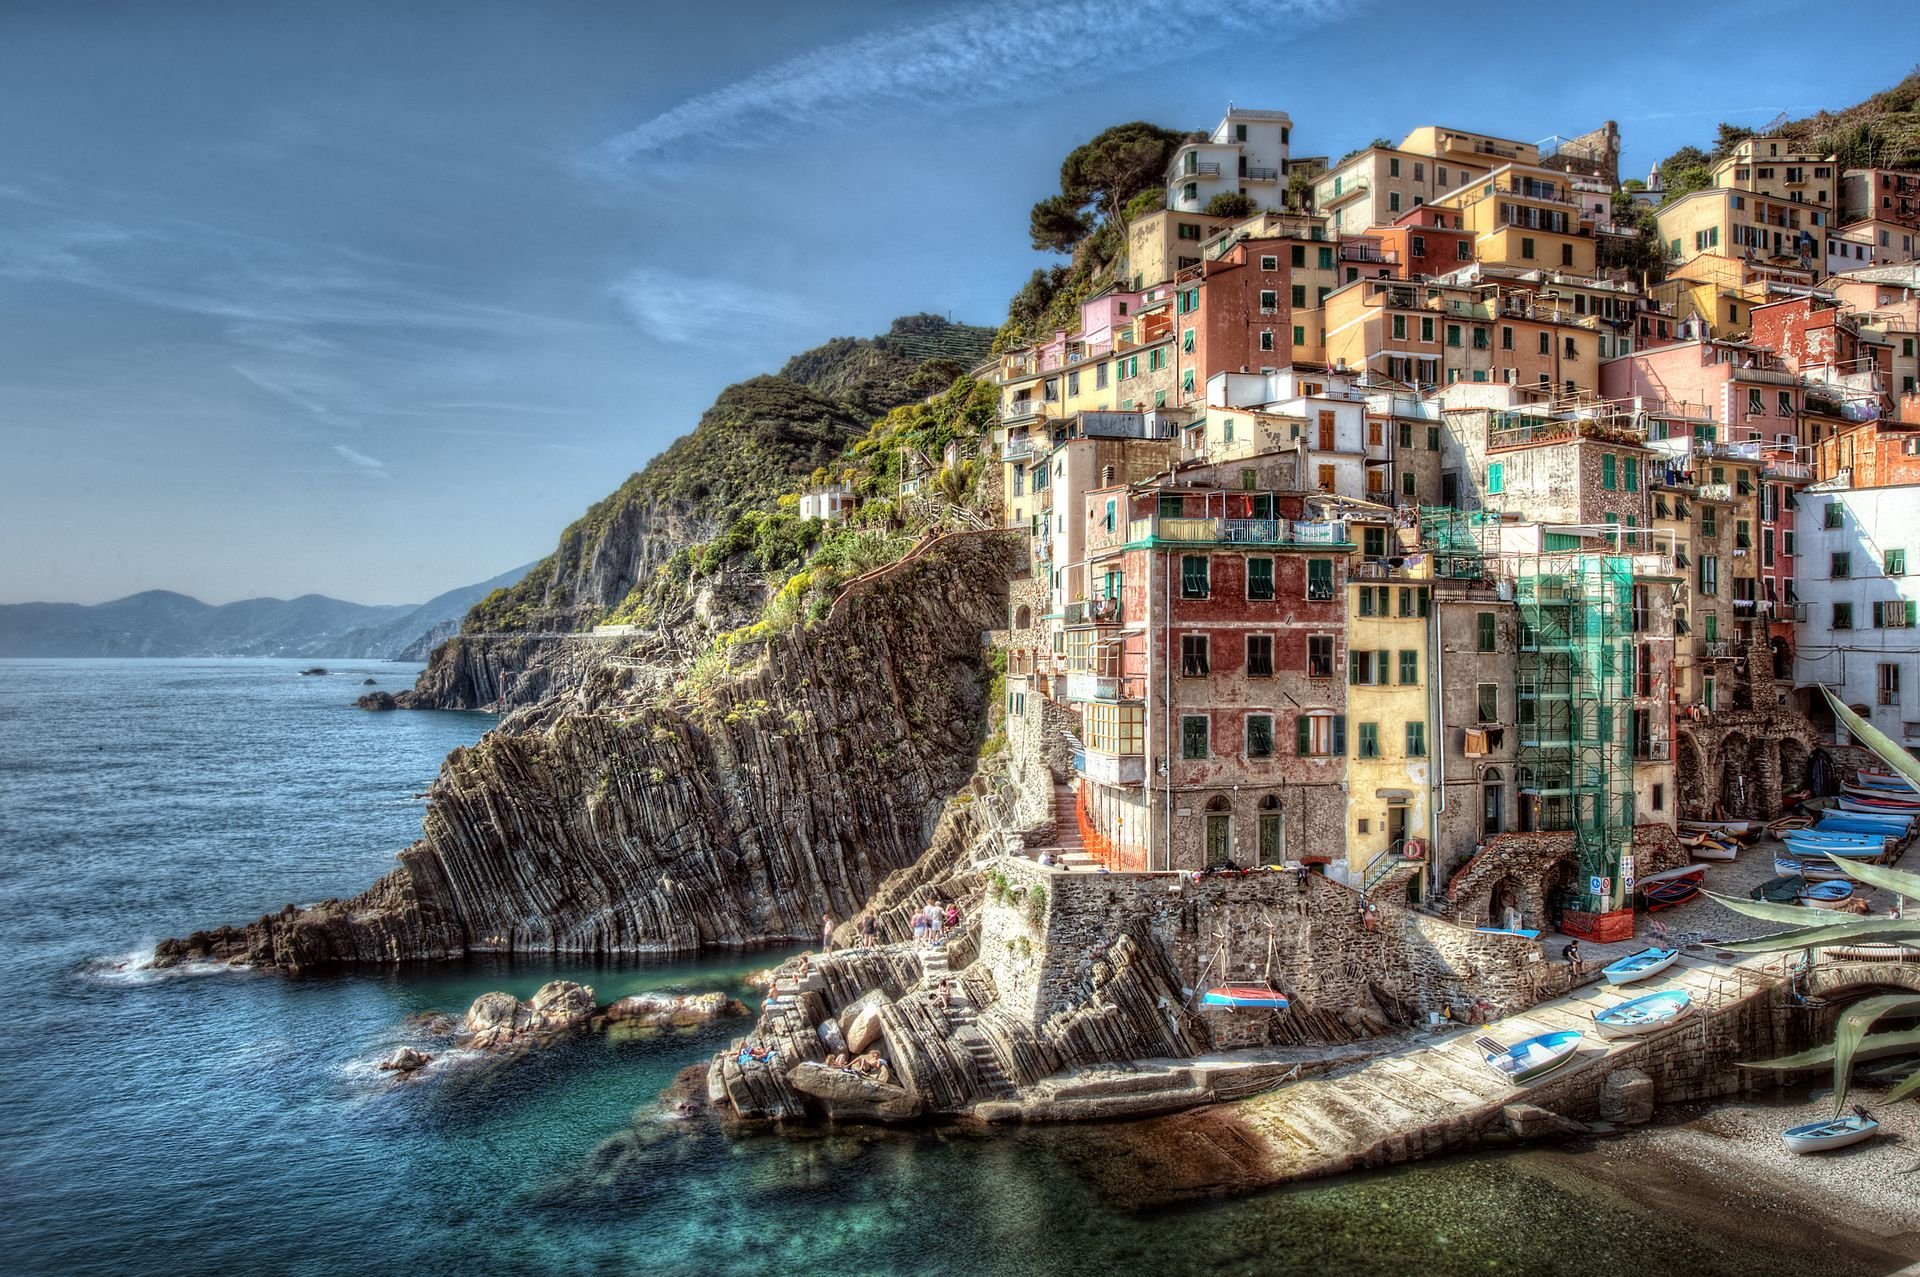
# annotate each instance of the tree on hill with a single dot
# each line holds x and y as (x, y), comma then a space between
(1685, 157)
(1727, 137)
(1685, 181)
(1098, 179)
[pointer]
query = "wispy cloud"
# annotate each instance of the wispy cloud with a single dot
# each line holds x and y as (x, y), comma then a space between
(681, 308)
(974, 56)
(368, 466)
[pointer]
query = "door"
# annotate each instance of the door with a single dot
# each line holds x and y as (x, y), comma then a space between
(1490, 813)
(1270, 850)
(1397, 829)
(1219, 839)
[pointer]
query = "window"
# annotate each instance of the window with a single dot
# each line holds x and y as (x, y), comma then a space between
(1259, 736)
(1300, 295)
(1496, 479)
(1269, 263)
(1100, 377)
(1487, 702)
(1259, 578)
(1269, 301)
(1194, 579)
(1419, 246)
(1326, 259)
(1259, 656)
(1755, 404)
(1842, 565)
(1506, 337)
(1453, 334)
(1406, 484)
(1416, 740)
(1300, 255)
(1526, 248)
(1842, 616)
(1433, 438)
(1833, 515)
(1709, 574)
(1485, 632)
(1399, 327)
(1896, 562)
(1320, 656)
(1368, 744)
(1632, 466)
(1609, 472)
(1320, 581)
(1409, 665)
(1889, 684)
(1266, 339)
(1189, 230)
(1193, 736)
(1464, 251)
(1320, 735)
(1406, 434)
(1193, 656)
(1546, 343)
(1712, 630)
(1426, 328)
(1393, 167)
(1786, 403)
(1367, 668)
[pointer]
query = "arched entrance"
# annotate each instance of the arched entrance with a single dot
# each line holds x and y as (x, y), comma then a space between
(1023, 617)
(1273, 849)
(1557, 892)
(1782, 656)
(1738, 788)
(1503, 904)
(1219, 831)
(1793, 765)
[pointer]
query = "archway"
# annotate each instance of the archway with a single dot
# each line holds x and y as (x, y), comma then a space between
(1272, 842)
(1503, 904)
(1782, 656)
(1219, 813)
(1690, 774)
(1023, 617)
(1557, 893)
(1793, 766)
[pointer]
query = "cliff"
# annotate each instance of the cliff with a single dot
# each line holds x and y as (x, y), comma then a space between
(735, 818)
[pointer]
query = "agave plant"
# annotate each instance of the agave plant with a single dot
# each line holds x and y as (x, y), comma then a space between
(1820, 928)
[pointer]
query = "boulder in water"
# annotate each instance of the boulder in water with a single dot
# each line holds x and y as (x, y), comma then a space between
(500, 1019)
(405, 1060)
(667, 1010)
(850, 1097)
(378, 700)
(369, 682)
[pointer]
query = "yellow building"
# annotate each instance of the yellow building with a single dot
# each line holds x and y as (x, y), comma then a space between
(1390, 737)
(1163, 243)
(1784, 170)
(1482, 151)
(1722, 290)
(1525, 216)
(1734, 223)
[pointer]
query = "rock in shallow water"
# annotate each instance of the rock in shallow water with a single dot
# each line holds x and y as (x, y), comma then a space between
(405, 1060)
(666, 1010)
(377, 700)
(850, 1097)
(500, 1019)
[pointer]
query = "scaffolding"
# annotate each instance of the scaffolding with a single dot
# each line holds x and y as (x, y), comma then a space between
(1460, 541)
(1575, 684)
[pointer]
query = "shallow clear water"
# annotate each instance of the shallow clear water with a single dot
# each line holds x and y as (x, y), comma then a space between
(198, 1122)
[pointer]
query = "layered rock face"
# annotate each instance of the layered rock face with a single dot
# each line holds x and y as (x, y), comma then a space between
(791, 791)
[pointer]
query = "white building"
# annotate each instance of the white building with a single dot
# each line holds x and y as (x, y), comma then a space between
(1858, 550)
(1321, 415)
(1245, 153)
(830, 503)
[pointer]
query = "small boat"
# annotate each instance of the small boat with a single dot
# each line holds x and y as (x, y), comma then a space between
(1245, 997)
(1531, 1058)
(1876, 806)
(1908, 802)
(1884, 780)
(1643, 1014)
(1638, 966)
(1858, 822)
(1821, 870)
(1525, 933)
(1736, 827)
(1780, 891)
(1711, 848)
(1665, 895)
(1817, 1137)
(1827, 895)
(1853, 846)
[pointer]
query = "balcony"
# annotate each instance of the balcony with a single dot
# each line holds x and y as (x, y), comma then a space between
(1083, 686)
(1200, 168)
(1254, 174)
(1714, 492)
(1113, 769)
(1096, 611)
(1718, 649)
(1365, 251)
(1786, 470)
(1515, 430)
(1219, 531)
(1346, 190)
(1023, 410)
(1017, 450)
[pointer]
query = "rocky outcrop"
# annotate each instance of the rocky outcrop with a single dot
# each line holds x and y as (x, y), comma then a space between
(497, 1020)
(849, 1097)
(405, 1060)
(377, 701)
(666, 1010)
(785, 792)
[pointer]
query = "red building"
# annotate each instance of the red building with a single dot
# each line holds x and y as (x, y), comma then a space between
(1233, 314)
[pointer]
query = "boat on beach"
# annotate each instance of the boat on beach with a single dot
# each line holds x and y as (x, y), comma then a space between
(1644, 1014)
(1831, 894)
(1671, 887)
(1876, 806)
(1886, 780)
(1856, 822)
(1638, 966)
(1738, 828)
(1817, 1137)
(1531, 1057)
(1816, 870)
(1245, 997)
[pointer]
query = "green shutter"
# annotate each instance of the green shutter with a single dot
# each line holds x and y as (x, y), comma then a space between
(1353, 667)
(1879, 616)
(1339, 734)
(1302, 734)
(1608, 465)
(1913, 614)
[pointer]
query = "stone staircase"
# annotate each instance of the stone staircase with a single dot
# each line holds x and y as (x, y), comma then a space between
(1068, 847)
(964, 1017)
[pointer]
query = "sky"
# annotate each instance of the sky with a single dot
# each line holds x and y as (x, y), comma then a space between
(371, 300)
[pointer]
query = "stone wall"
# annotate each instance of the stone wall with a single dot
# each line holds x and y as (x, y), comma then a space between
(1526, 868)
(1305, 933)
(1737, 763)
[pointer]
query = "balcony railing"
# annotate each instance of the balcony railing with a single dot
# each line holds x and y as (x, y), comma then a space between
(1017, 450)
(1097, 611)
(1106, 687)
(1022, 409)
(1714, 492)
(1787, 470)
(1352, 252)
(1200, 168)
(1235, 531)
(1254, 174)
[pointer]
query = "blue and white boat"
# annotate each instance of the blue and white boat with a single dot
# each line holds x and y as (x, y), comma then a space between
(1531, 1058)
(1817, 1137)
(1884, 780)
(1855, 822)
(1644, 1014)
(1813, 870)
(1638, 966)
(1525, 933)
(1850, 846)
(1827, 895)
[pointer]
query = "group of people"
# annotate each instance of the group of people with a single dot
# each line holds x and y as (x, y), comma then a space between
(758, 1053)
(932, 921)
(868, 1065)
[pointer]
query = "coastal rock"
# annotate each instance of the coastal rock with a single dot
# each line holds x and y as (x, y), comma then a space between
(1627, 1097)
(1525, 1122)
(784, 792)
(405, 1060)
(500, 1019)
(849, 1097)
(377, 701)
(828, 1031)
(860, 1023)
(666, 1010)
(369, 682)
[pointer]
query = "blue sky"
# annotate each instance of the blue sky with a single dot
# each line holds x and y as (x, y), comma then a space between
(372, 299)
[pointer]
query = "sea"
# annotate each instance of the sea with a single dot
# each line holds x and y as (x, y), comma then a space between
(208, 1120)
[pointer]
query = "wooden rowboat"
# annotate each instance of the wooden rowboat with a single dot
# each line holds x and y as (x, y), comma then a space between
(1245, 997)
(1817, 1137)
(1530, 1058)
(1638, 966)
(1820, 870)
(1831, 894)
(1644, 1014)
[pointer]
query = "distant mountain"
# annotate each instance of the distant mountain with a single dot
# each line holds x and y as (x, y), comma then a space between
(163, 623)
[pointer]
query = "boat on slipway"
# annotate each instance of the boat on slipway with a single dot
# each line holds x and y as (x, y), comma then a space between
(1839, 1132)
(1642, 1015)
(1639, 966)
(1531, 1057)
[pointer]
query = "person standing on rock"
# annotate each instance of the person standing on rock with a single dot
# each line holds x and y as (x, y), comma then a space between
(919, 928)
(826, 933)
(869, 930)
(933, 922)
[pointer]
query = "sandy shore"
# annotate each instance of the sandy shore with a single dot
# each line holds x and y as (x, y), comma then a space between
(1724, 1169)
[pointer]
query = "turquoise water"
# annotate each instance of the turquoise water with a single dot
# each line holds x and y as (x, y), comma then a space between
(231, 1122)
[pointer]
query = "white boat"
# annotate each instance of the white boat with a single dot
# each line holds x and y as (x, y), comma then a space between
(1817, 1137)
(1642, 1015)
(1712, 849)
(1832, 894)
(1638, 966)
(1876, 807)
(1820, 870)
(1532, 1058)
(1735, 827)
